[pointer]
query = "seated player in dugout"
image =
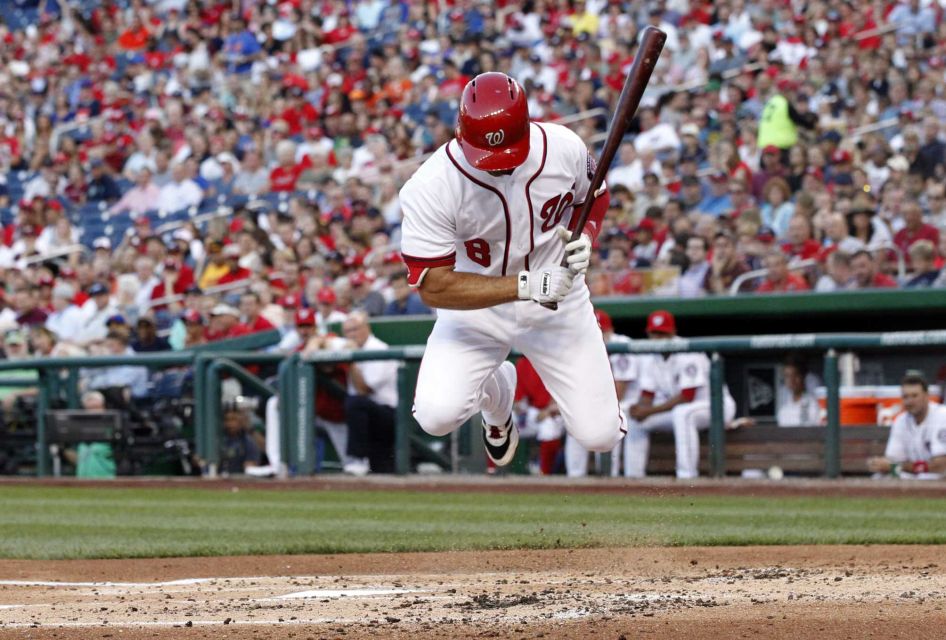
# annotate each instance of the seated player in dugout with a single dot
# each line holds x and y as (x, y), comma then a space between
(917, 441)
(674, 396)
(485, 229)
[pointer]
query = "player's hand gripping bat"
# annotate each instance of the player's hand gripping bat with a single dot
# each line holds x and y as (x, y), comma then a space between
(651, 44)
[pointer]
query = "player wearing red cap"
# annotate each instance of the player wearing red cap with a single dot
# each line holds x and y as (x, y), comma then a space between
(484, 232)
(674, 396)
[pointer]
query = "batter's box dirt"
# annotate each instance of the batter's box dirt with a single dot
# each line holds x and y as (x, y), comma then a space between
(771, 592)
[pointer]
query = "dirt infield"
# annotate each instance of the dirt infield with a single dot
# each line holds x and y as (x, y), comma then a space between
(826, 592)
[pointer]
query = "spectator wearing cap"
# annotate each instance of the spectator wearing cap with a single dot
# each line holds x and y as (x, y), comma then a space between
(363, 296)
(777, 208)
(66, 318)
(224, 324)
(866, 274)
(839, 276)
(326, 311)
(180, 193)
(101, 187)
(914, 229)
(194, 331)
(250, 308)
(235, 272)
(97, 309)
(371, 404)
(691, 194)
(923, 260)
(173, 282)
(146, 337)
(141, 198)
(303, 329)
(778, 278)
(406, 302)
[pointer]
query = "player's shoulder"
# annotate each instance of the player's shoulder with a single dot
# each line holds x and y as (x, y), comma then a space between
(430, 177)
(938, 412)
(561, 137)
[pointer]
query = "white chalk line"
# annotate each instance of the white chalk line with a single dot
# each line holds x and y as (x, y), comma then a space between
(136, 585)
(339, 593)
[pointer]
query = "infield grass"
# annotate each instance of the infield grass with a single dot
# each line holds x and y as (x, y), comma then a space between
(62, 522)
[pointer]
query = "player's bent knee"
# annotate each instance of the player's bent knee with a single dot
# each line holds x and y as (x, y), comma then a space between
(599, 440)
(436, 418)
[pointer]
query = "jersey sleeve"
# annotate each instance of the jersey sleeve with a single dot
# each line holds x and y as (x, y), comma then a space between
(896, 450)
(648, 382)
(585, 172)
(624, 367)
(428, 230)
(692, 373)
(938, 433)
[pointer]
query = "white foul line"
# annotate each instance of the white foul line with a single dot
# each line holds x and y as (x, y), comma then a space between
(45, 583)
(339, 593)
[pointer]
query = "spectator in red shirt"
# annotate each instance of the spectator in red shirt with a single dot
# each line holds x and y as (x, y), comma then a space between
(286, 173)
(865, 272)
(914, 228)
(779, 278)
(800, 243)
(224, 323)
(236, 272)
(250, 306)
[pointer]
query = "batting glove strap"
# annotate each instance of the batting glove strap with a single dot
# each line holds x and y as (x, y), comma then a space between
(550, 284)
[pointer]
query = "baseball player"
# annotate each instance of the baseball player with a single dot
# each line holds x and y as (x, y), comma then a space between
(484, 231)
(917, 442)
(626, 370)
(674, 394)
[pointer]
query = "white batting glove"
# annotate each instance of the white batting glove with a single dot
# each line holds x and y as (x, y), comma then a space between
(549, 284)
(578, 252)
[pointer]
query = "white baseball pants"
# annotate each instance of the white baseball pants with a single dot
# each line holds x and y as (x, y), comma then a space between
(565, 346)
(337, 433)
(686, 421)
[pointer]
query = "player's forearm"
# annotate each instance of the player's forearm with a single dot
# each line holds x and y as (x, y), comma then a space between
(457, 290)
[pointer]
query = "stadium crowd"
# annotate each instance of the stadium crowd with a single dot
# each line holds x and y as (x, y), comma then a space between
(804, 142)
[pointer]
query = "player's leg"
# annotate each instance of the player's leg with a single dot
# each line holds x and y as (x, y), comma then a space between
(457, 361)
(273, 448)
(569, 355)
(637, 442)
(688, 420)
(576, 458)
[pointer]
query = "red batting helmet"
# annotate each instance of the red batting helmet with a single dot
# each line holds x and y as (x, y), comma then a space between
(493, 126)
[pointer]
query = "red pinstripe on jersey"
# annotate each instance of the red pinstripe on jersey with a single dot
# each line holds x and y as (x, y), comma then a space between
(502, 199)
(545, 149)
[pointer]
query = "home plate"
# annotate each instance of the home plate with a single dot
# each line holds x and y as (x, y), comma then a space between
(341, 593)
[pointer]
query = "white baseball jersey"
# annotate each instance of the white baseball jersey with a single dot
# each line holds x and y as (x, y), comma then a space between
(669, 376)
(910, 441)
(494, 225)
(626, 368)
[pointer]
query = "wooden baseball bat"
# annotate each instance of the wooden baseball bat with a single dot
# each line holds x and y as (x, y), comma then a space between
(652, 42)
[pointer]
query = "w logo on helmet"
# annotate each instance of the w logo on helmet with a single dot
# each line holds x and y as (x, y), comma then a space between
(495, 138)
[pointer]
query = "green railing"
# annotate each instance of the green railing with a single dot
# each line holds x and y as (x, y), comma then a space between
(296, 381)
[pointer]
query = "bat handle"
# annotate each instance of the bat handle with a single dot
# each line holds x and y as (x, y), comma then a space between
(552, 306)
